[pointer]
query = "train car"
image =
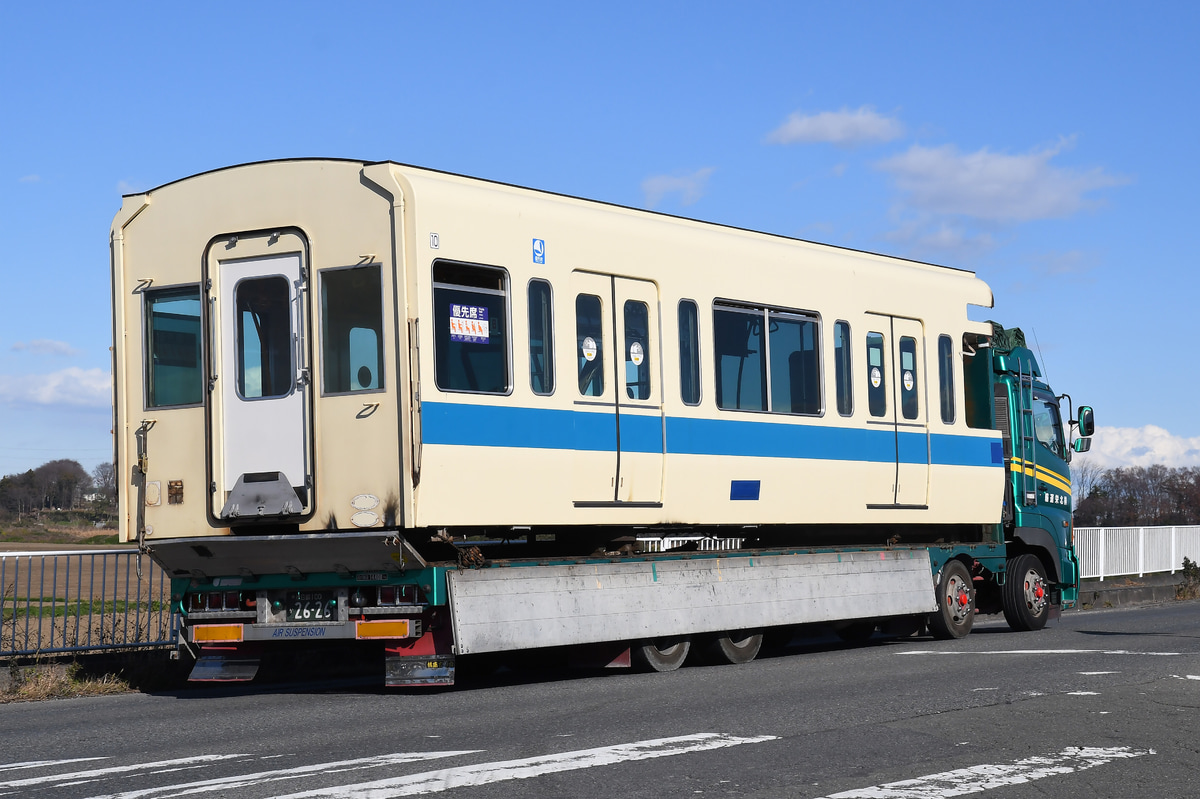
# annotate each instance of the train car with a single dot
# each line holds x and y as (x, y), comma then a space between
(370, 401)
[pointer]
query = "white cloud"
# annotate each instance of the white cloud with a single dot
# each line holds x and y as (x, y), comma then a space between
(1142, 446)
(994, 186)
(45, 346)
(844, 128)
(1072, 262)
(72, 386)
(926, 236)
(690, 187)
(125, 187)
(31, 179)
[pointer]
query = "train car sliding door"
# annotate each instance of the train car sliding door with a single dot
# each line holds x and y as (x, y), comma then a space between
(897, 399)
(618, 405)
(260, 432)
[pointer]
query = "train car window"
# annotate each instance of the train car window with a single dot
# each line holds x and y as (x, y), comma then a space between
(689, 352)
(265, 345)
(174, 370)
(977, 382)
(876, 375)
(589, 345)
(541, 338)
(795, 368)
(946, 377)
(741, 368)
(841, 368)
(351, 329)
(470, 342)
(637, 350)
(908, 377)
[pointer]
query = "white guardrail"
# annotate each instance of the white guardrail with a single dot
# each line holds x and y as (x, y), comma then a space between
(1119, 551)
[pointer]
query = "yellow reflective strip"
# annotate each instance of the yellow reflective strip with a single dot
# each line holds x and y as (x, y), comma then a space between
(1042, 473)
(217, 633)
(397, 628)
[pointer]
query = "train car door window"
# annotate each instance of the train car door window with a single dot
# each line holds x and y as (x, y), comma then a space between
(265, 345)
(174, 371)
(637, 350)
(876, 375)
(946, 377)
(795, 371)
(470, 342)
(908, 377)
(541, 338)
(841, 368)
(689, 353)
(589, 344)
(352, 329)
(741, 370)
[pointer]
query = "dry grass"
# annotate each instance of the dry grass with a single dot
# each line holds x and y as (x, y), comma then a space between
(1190, 587)
(41, 681)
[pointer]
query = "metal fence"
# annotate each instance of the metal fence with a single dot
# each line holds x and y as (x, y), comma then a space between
(1119, 551)
(81, 601)
(702, 543)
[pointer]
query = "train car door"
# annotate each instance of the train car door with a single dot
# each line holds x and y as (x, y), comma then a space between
(897, 403)
(261, 455)
(618, 406)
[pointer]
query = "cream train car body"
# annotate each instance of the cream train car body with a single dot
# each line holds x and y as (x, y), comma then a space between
(314, 346)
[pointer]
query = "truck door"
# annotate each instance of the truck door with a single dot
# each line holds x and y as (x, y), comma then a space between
(261, 442)
(618, 404)
(897, 402)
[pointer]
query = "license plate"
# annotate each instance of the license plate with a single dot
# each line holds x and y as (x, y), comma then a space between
(310, 606)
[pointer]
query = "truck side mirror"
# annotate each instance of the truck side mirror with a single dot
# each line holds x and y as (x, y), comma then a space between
(1082, 444)
(1087, 422)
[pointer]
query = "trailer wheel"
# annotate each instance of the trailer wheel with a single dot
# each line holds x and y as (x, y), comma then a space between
(1026, 593)
(956, 603)
(737, 647)
(661, 654)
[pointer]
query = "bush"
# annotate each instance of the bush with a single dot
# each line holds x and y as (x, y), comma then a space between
(1190, 587)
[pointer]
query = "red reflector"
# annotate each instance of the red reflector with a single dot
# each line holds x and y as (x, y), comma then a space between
(387, 595)
(231, 600)
(213, 600)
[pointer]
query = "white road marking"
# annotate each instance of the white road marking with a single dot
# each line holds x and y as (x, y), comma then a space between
(978, 779)
(103, 772)
(1082, 693)
(1097, 673)
(245, 780)
(1039, 652)
(483, 773)
(43, 763)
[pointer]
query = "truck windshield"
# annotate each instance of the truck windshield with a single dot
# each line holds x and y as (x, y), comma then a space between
(1048, 425)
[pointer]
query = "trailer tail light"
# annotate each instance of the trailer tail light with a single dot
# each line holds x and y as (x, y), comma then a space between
(233, 600)
(387, 595)
(214, 601)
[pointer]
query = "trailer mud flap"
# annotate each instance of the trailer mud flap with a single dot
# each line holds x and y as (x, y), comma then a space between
(423, 661)
(225, 664)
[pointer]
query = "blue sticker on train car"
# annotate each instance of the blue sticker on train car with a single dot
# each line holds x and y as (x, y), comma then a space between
(997, 452)
(539, 251)
(744, 489)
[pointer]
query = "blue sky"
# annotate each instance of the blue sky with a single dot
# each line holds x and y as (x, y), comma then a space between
(1051, 148)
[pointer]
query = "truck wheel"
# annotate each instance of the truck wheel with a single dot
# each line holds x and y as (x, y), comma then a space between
(661, 654)
(1026, 593)
(737, 647)
(956, 603)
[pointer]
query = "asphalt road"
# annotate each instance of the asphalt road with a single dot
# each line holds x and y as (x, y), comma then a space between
(1103, 704)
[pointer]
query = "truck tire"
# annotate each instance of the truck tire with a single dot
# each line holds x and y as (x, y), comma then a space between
(956, 603)
(661, 654)
(1026, 594)
(736, 647)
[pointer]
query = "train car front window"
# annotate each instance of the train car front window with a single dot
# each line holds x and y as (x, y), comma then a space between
(352, 329)
(589, 345)
(637, 350)
(541, 338)
(174, 373)
(265, 344)
(841, 368)
(741, 368)
(470, 341)
(876, 375)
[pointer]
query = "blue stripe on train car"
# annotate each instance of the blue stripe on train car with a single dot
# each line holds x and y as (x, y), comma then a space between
(744, 489)
(462, 424)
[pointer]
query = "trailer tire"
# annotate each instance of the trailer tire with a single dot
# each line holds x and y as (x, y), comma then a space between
(955, 615)
(661, 654)
(736, 647)
(1026, 594)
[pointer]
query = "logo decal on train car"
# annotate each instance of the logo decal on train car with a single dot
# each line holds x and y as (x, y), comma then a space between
(539, 251)
(589, 348)
(469, 324)
(876, 377)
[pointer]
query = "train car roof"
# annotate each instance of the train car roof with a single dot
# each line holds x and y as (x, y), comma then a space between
(551, 194)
